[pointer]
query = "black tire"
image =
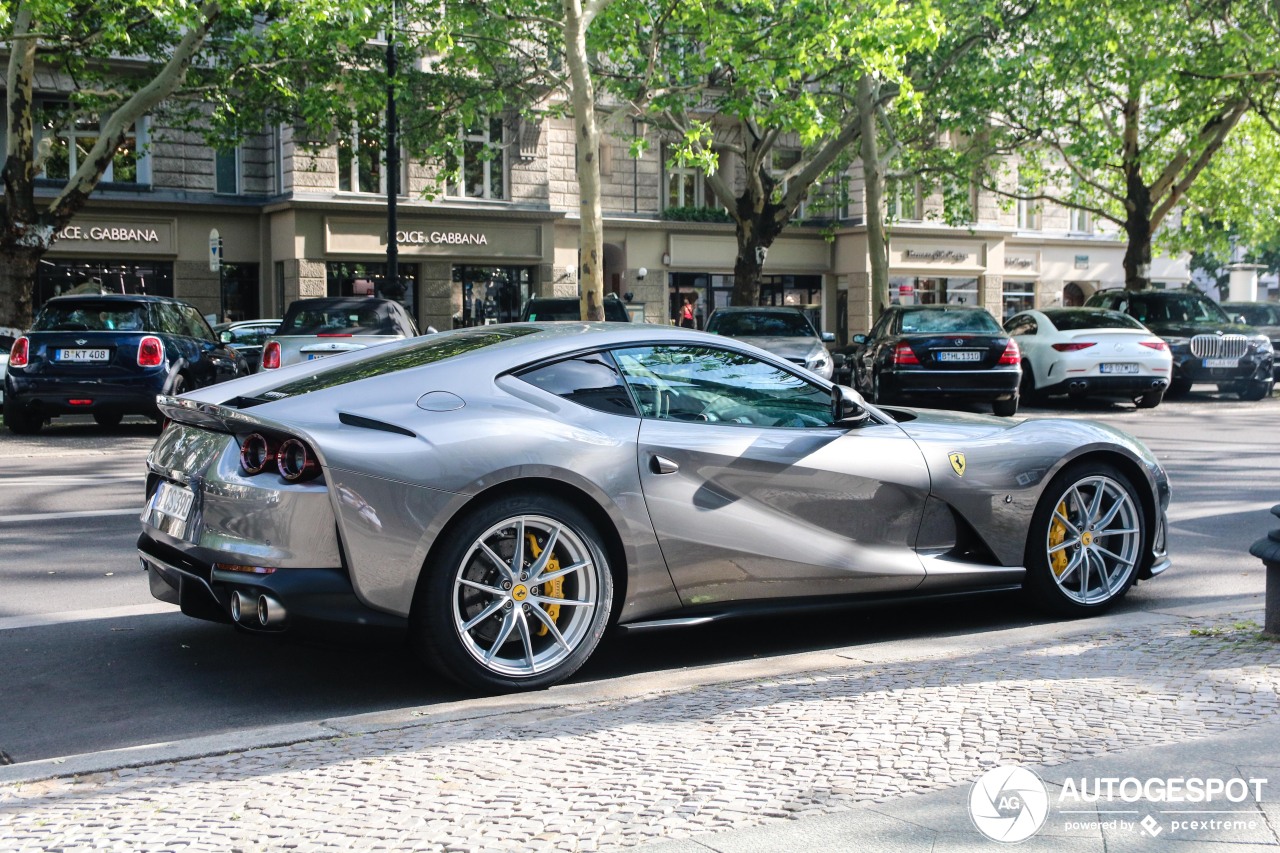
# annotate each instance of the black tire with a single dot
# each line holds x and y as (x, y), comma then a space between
(20, 422)
(1255, 390)
(1027, 386)
(1005, 408)
(1149, 400)
(518, 637)
(108, 420)
(1081, 577)
(1179, 387)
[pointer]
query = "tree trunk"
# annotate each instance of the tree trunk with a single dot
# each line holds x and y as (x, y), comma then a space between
(1138, 204)
(17, 281)
(587, 134)
(873, 191)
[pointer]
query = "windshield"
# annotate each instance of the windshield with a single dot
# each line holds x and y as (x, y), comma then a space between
(341, 317)
(1072, 321)
(947, 322)
(760, 324)
(1176, 308)
(92, 316)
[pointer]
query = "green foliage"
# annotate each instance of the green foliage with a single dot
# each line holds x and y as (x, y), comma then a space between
(696, 214)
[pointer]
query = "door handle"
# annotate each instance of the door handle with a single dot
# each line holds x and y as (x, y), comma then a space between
(662, 465)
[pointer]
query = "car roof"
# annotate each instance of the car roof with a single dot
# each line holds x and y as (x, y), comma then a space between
(942, 306)
(762, 309)
(115, 297)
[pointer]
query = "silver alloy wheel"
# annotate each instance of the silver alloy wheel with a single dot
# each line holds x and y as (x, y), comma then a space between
(1094, 540)
(524, 595)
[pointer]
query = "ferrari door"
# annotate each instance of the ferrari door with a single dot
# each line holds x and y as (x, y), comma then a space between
(754, 495)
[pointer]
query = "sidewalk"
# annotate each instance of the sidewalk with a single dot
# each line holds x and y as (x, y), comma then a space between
(871, 748)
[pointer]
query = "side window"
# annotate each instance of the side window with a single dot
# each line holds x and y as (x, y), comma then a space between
(881, 328)
(706, 384)
(1022, 324)
(195, 325)
(589, 380)
(171, 322)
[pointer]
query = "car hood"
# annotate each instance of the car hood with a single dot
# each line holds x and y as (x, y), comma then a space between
(798, 349)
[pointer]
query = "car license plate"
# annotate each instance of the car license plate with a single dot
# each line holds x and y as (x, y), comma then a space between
(84, 355)
(959, 355)
(1222, 362)
(1118, 368)
(314, 355)
(173, 501)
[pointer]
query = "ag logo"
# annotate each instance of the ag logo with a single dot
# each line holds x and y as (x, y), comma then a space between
(957, 463)
(1008, 804)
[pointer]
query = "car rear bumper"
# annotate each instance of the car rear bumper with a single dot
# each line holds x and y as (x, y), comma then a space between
(991, 384)
(1109, 385)
(61, 395)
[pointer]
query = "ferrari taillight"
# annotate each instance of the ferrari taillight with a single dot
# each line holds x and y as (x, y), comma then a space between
(20, 355)
(257, 453)
(271, 355)
(903, 354)
(1011, 354)
(296, 461)
(150, 352)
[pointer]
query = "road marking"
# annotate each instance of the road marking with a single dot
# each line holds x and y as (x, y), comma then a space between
(61, 516)
(37, 620)
(1209, 509)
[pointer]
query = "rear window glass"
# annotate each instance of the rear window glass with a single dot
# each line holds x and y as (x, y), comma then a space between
(92, 316)
(345, 317)
(1071, 321)
(589, 380)
(948, 321)
(761, 324)
(381, 362)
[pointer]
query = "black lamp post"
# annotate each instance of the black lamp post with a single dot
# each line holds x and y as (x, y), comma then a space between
(393, 158)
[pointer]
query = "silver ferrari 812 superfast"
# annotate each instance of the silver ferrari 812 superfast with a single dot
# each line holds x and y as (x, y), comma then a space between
(507, 493)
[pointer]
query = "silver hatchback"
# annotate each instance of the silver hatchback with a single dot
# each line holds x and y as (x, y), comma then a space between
(315, 328)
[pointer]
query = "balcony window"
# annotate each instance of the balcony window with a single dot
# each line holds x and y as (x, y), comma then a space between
(479, 163)
(361, 168)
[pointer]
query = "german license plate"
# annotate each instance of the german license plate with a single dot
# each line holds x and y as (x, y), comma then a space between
(171, 501)
(314, 355)
(1118, 368)
(959, 355)
(1222, 362)
(84, 355)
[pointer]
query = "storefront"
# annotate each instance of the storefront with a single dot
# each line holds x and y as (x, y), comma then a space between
(96, 255)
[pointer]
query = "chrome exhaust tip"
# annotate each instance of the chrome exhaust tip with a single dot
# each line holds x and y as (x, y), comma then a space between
(241, 606)
(271, 613)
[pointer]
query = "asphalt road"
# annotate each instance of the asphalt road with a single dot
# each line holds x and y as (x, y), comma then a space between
(89, 661)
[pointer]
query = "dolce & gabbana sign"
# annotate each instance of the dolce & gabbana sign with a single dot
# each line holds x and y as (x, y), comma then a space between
(442, 238)
(115, 235)
(422, 237)
(143, 236)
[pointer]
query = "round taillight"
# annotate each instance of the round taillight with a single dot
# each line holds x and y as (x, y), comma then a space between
(256, 454)
(271, 355)
(296, 461)
(20, 355)
(150, 352)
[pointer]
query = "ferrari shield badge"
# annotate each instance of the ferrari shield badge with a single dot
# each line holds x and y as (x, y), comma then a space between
(957, 463)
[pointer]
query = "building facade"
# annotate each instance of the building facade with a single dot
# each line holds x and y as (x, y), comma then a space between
(294, 220)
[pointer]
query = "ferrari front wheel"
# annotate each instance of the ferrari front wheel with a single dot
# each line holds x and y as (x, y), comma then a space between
(518, 598)
(1086, 541)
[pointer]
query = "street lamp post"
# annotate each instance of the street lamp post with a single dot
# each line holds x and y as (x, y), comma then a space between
(393, 158)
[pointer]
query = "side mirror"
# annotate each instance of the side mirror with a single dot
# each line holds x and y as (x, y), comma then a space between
(848, 409)
(225, 337)
(828, 337)
(859, 339)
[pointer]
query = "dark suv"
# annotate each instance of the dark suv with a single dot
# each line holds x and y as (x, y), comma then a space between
(1207, 346)
(109, 356)
(543, 308)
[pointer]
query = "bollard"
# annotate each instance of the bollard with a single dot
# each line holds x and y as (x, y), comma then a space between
(1267, 549)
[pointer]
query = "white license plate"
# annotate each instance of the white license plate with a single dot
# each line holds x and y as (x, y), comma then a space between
(959, 355)
(84, 355)
(1118, 368)
(314, 355)
(173, 501)
(1222, 362)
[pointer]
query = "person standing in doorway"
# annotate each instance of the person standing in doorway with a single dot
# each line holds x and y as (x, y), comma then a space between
(686, 315)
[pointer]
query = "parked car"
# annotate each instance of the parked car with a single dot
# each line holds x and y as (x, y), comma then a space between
(109, 356)
(551, 308)
(247, 337)
(1262, 317)
(6, 344)
(1206, 345)
(933, 354)
(315, 328)
(1090, 352)
(785, 332)
(506, 493)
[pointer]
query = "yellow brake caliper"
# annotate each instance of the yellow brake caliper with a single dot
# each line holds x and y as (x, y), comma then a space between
(1058, 535)
(550, 589)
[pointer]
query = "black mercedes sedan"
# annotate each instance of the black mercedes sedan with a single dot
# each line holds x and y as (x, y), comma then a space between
(930, 354)
(109, 356)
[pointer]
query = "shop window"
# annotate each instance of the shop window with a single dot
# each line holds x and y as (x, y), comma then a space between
(479, 162)
(71, 138)
(240, 291)
(226, 170)
(1018, 296)
(933, 291)
(361, 167)
(360, 278)
(62, 277)
(490, 294)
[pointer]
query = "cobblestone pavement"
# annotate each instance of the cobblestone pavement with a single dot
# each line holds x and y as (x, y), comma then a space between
(668, 764)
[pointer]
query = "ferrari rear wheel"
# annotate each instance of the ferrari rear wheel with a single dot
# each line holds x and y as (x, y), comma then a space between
(519, 597)
(1086, 540)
